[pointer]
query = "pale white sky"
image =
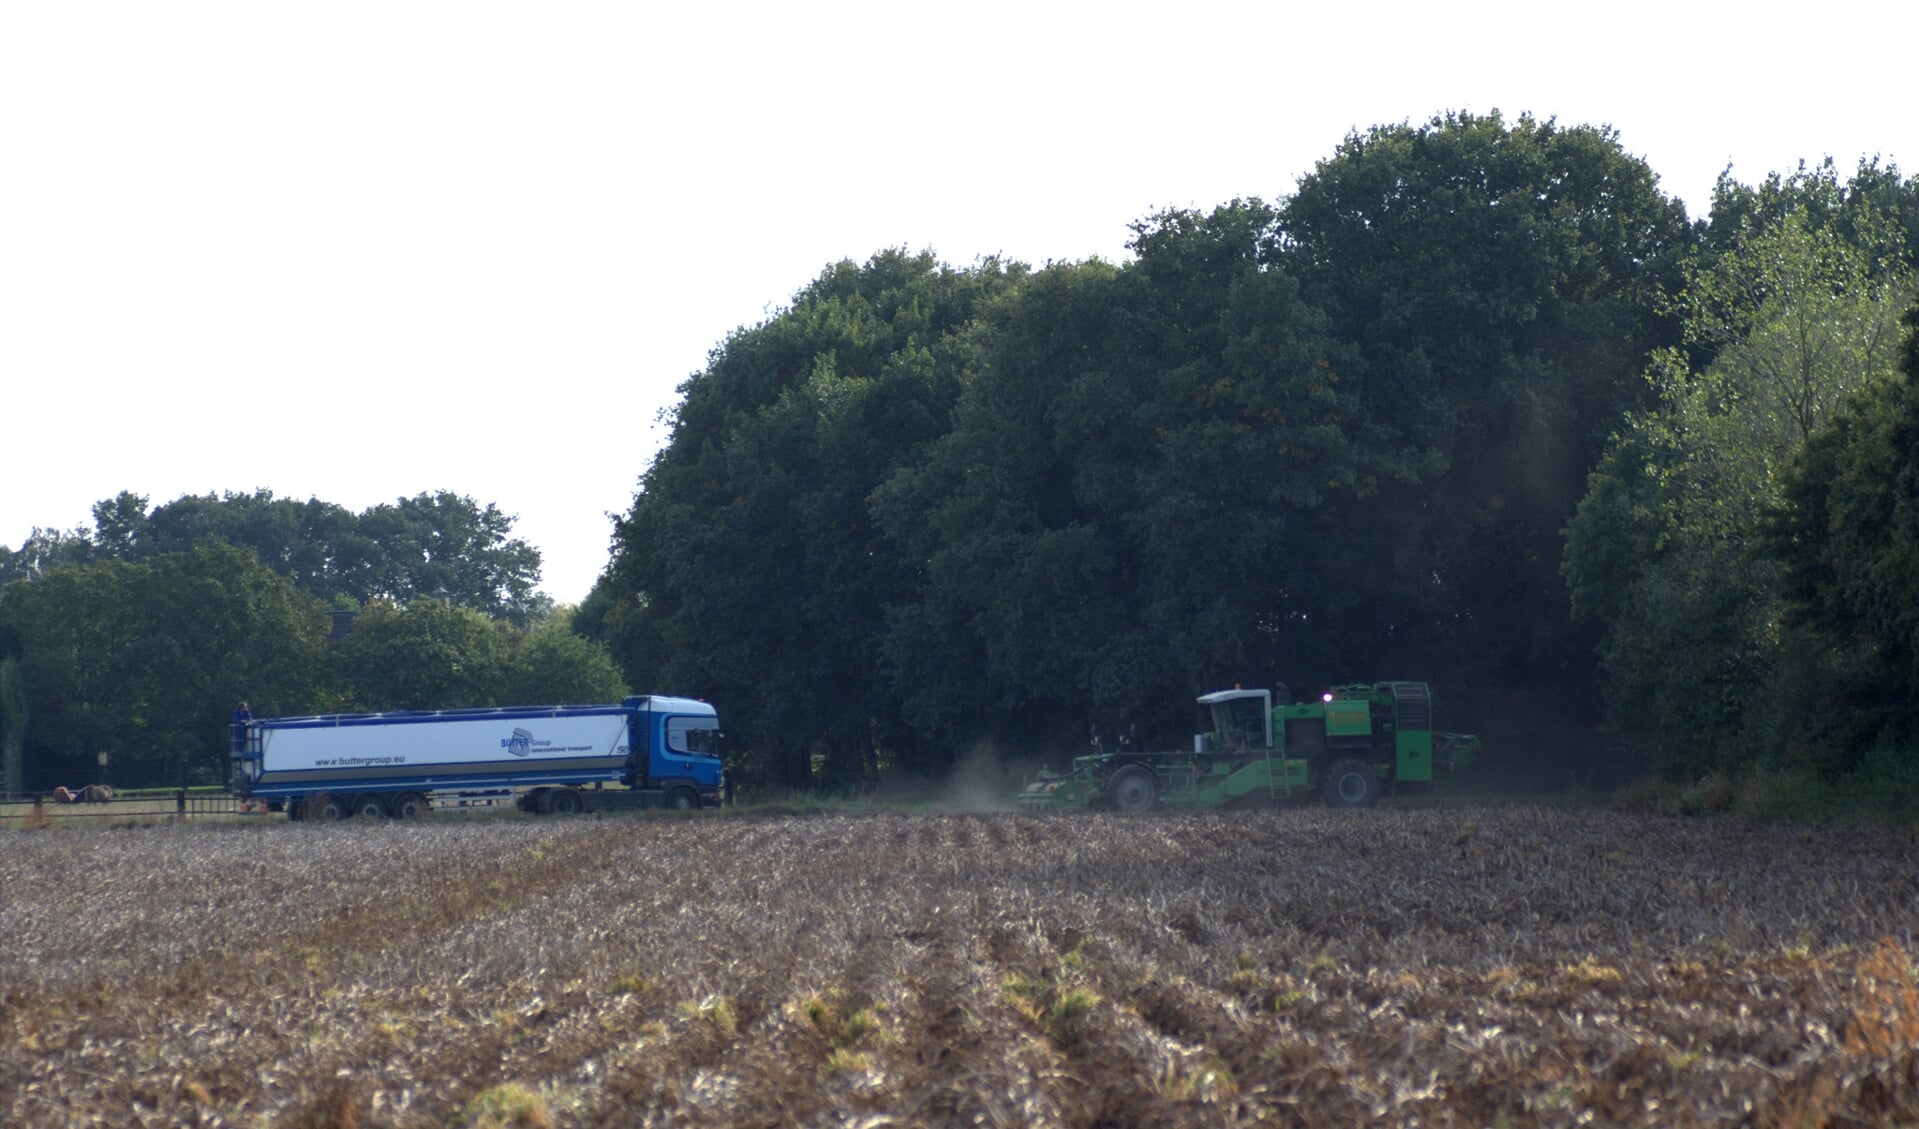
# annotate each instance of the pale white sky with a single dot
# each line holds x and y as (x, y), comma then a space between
(355, 250)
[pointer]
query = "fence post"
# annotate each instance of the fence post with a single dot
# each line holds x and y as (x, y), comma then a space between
(180, 803)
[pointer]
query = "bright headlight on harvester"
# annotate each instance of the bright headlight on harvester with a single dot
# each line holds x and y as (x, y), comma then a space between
(1327, 696)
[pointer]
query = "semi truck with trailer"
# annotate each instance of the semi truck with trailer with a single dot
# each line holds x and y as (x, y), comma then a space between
(648, 751)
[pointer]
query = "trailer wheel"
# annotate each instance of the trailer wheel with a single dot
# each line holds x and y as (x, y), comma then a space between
(564, 801)
(370, 806)
(683, 799)
(1133, 789)
(410, 805)
(329, 809)
(1350, 783)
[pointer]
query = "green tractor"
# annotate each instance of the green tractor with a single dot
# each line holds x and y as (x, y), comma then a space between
(1351, 745)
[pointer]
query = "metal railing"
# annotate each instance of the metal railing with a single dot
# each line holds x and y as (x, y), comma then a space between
(179, 803)
(169, 804)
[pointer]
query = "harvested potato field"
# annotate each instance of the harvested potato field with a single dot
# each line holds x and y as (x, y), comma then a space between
(1482, 966)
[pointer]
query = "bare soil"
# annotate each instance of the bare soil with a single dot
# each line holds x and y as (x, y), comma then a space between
(1477, 966)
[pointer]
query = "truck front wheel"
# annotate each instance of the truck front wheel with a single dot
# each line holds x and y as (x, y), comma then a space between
(1350, 783)
(683, 799)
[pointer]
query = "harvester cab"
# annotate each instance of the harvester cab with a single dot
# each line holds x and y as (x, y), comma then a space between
(1235, 720)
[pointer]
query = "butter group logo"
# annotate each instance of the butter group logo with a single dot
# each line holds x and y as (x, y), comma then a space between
(520, 744)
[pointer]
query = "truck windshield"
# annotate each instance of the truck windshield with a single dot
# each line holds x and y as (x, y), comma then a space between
(692, 735)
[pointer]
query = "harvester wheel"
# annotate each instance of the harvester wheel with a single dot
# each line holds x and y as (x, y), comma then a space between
(1350, 783)
(1133, 789)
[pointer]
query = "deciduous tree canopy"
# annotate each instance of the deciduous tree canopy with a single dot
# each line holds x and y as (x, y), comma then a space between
(1798, 312)
(1329, 439)
(135, 639)
(144, 662)
(1475, 404)
(438, 544)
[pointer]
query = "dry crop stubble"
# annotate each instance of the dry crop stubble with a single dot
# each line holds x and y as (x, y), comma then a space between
(1299, 966)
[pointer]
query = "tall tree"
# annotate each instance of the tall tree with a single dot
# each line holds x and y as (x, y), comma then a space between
(13, 723)
(552, 664)
(313, 543)
(1660, 556)
(143, 662)
(44, 550)
(1016, 586)
(436, 544)
(445, 544)
(1846, 533)
(1504, 284)
(748, 569)
(1876, 205)
(424, 655)
(1143, 467)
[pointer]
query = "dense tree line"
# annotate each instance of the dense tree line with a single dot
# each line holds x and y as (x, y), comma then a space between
(134, 639)
(1477, 403)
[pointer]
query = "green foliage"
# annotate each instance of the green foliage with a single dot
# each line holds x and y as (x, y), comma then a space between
(1882, 788)
(1875, 203)
(440, 544)
(446, 545)
(43, 550)
(143, 662)
(1698, 665)
(135, 639)
(1712, 794)
(553, 665)
(1802, 314)
(1504, 284)
(1846, 534)
(427, 655)
(924, 508)
(1020, 579)
(509, 1105)
(1786, 795)
(13, 724)
(1114, 516)
(749, 566)
(424, 655)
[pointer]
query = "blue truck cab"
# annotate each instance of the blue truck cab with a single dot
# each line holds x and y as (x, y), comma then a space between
(675, 742)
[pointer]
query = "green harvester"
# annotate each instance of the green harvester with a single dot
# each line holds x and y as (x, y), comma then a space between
(1349, 746)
